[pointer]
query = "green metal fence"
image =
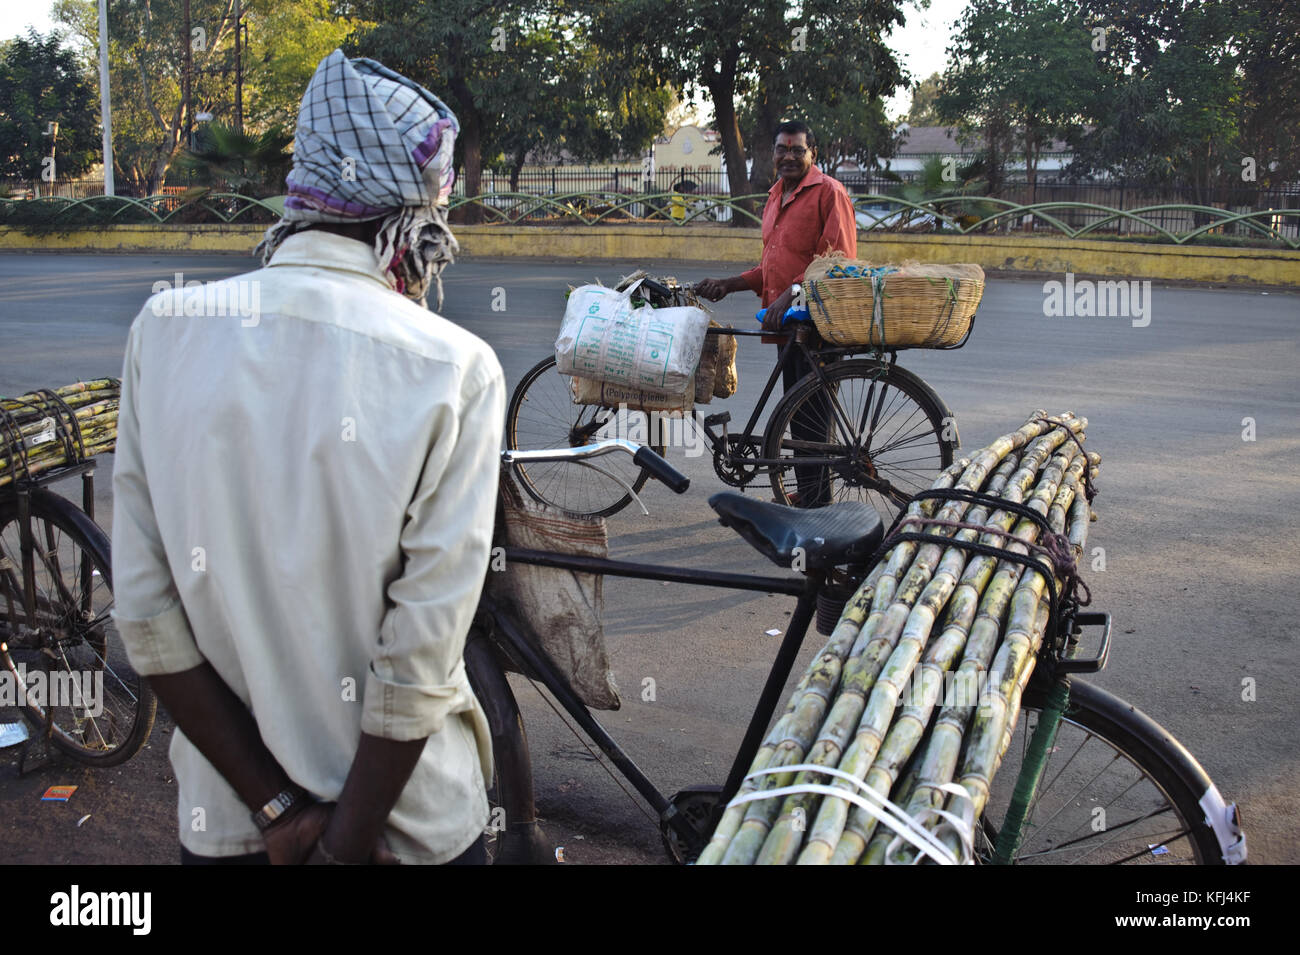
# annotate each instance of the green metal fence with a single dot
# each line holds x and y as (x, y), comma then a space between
(954, 215)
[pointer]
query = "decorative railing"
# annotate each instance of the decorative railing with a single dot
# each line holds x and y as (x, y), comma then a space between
(954, 215)
(62, 212)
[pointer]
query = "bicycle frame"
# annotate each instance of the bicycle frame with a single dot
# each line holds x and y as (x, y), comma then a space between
(796, 343)
(806, 590)
(22, 493)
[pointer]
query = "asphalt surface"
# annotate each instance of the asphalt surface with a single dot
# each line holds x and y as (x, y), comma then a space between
(1198, 525)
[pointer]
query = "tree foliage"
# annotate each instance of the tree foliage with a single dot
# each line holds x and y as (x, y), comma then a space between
(521, 75)
(1196, 87)
(1023, 73)
(921, 112)
(41, 84)
(762, 62)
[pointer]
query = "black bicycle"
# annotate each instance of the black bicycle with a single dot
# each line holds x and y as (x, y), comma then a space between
(58, 640)
(1158, 802)
(854, 428)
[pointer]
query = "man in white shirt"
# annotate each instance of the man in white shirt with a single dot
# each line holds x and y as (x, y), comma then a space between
(304, 491)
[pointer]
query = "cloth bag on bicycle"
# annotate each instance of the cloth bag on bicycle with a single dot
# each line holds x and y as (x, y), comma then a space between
(558, 611)
(604, 337)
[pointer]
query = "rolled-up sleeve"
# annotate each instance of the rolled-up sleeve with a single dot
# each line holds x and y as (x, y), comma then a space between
(417, 675)
(754, 279)
(147, 606)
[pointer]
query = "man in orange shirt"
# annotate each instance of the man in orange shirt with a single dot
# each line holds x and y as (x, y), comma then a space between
(808, 213)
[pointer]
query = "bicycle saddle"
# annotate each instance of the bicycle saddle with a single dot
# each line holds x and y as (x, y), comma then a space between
(835, 534)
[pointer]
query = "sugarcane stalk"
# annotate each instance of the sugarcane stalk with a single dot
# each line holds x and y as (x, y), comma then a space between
(832, 819)
(909, 727)
(102, 430)
(837, 646)
(784, 842)
(908, 605)
(810, 708)
(942, 750)
(1013, 663)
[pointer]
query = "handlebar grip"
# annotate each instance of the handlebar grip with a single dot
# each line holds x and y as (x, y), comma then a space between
(661, 469)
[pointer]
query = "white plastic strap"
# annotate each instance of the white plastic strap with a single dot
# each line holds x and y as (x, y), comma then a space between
(963, 827)
(886, 813)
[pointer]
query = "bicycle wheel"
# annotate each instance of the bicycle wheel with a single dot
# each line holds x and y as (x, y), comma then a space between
(542, 416)
(96, 708)
(513, 836)
(1117, 789)
(886, 425)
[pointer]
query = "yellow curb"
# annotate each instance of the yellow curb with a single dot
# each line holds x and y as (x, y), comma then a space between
(1046, 254)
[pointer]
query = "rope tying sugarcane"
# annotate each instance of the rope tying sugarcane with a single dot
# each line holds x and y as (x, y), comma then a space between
(1063, 602)
(1089, 490)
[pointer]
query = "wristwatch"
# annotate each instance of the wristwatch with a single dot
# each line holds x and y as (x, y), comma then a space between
(279, 805)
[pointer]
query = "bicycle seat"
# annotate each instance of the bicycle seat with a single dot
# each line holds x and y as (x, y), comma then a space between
(835, 534)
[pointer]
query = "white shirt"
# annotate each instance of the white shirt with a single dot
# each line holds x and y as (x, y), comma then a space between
(304, 491)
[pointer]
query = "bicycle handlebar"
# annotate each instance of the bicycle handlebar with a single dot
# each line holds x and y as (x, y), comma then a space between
(643, 456)
(650, 460)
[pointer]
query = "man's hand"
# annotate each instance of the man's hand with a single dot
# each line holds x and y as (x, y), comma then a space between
(292, 841)
(717, 289)
(772, 318)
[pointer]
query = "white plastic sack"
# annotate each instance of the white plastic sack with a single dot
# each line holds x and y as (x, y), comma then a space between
(604, 338)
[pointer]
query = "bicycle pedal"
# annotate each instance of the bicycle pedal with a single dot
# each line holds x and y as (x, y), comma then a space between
(722, 417)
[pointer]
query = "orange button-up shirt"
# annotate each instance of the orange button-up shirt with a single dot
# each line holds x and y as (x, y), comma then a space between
(816, 218)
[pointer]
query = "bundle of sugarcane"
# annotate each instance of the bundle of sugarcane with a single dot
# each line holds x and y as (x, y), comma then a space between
(49, 429)
(816, 786)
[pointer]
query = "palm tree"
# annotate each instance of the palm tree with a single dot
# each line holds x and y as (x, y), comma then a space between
(227, 160)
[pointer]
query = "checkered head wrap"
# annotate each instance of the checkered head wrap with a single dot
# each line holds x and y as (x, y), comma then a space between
(372, 144)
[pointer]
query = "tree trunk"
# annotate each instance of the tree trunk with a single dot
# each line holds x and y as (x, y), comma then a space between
(516, 167)
(722, 89)
(760, 146)
(471, 138)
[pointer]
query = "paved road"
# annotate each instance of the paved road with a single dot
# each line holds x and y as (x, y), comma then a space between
(1199, 529)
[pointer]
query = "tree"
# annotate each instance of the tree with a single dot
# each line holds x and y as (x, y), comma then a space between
(286, 42)
(148, 51)
(40, 85)
(254, 164)
(832, 74)
(924, 94)
(1022, 70)
(519, 74)
(759, 61)
(1193, 89)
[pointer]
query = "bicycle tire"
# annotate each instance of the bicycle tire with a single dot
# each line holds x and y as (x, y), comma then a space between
(1151, 775)
(513, 836)
(541, 415)
(66, 537)
(883, 393)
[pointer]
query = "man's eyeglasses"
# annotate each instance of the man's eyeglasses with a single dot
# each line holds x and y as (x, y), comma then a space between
(798, 152)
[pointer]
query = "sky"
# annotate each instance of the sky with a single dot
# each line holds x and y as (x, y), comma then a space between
(920, 45)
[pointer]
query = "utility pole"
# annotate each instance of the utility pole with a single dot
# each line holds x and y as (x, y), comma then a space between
(105, 112)
(189, 80)
(239, 70)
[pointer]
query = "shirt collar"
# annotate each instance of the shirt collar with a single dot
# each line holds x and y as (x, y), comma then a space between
(813, 176)
(327, 250)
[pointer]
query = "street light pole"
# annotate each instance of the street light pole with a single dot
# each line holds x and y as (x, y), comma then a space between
(105, 112)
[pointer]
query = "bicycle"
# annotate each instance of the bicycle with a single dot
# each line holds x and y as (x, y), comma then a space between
(56, 626)
(888, 433)
(1162, 806)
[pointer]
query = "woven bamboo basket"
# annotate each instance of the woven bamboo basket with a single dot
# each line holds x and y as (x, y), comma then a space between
(46, 430)
(892, 306)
